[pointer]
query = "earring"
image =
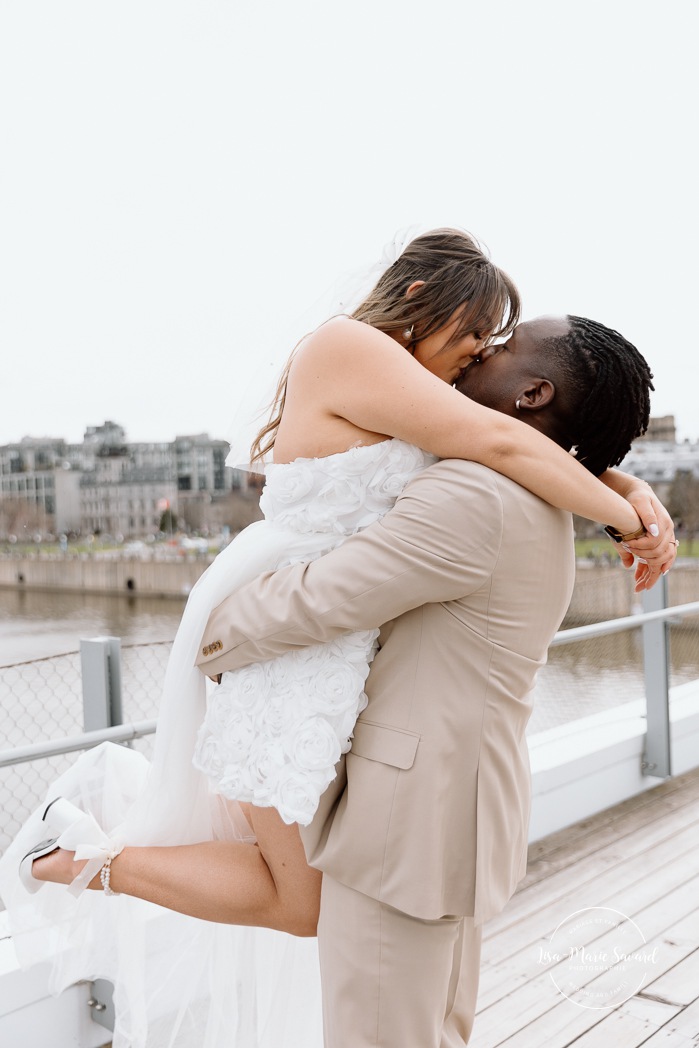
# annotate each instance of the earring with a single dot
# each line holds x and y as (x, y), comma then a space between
(408, 333)
(518, 403)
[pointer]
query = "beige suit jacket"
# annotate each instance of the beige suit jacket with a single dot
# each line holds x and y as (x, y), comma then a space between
(469, 576)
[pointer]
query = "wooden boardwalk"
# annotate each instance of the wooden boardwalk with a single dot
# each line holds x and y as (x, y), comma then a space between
(640, 858)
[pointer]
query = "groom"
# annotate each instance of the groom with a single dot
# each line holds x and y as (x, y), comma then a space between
(423, 835)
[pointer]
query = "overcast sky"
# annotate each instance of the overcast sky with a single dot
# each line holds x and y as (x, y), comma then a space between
(180, 181)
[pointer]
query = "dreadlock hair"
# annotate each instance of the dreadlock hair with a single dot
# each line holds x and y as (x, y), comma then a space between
(608, 386)
(456, 272)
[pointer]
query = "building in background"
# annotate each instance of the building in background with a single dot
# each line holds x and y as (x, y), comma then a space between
(39, 486)
(661, 428)
(107, 486)
(660, 460)
(672, 470)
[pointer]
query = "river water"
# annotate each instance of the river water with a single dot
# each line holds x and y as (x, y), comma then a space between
(36, 624)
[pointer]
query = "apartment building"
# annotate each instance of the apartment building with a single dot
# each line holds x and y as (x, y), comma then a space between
(106, 485)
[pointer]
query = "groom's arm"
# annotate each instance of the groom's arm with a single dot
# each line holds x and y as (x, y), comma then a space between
(439, 543)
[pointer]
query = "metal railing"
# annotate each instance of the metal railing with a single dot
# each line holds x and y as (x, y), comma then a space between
(654, 621)
(100, 678)
(88, 739)
(101, 672)
(52, 707)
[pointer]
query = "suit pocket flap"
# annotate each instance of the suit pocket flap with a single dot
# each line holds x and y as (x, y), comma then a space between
(378, 742)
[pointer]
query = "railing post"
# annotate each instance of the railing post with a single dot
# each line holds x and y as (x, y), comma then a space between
(101, 1003)
(656, 758)
(100, 660)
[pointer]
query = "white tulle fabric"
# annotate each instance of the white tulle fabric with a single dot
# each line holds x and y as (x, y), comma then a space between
(180, 982)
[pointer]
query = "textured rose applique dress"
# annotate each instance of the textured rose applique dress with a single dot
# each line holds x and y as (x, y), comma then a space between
(274, 731)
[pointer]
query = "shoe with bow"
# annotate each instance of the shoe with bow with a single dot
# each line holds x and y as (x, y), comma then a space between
(66, 826)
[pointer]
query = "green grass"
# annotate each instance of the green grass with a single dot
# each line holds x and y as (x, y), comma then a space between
(596, 548)
(593, 547)
(21, 549)
(602, 548)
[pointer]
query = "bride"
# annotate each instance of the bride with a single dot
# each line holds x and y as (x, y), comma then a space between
(217, 839)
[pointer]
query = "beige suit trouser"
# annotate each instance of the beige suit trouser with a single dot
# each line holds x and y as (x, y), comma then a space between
(392, 980)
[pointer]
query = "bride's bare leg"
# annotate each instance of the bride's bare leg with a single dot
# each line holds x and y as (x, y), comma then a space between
(268, 884)
(297, 885)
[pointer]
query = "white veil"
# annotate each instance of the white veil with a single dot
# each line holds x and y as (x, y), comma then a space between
(255, 397)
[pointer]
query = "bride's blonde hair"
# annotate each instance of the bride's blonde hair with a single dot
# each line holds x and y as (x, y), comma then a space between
(456, 272)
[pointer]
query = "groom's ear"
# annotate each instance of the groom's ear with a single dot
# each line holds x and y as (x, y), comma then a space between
(538, 394)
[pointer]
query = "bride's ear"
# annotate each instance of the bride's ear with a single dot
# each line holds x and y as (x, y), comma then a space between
(413, 287)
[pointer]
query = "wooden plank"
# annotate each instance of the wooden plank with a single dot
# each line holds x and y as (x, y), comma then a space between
(627, 1026)
(638, 843)
(672, 860)
(674, 917)
(630, 1025)
(609, 842)
(509, 1007)
(663, 895)
(680, 984)
(630, 886)
(514, 1012)
(561, 1022)
(554, 1028)
(678, 808)
(682, 1031)
(643, 807)
(667, 963)
(674, 791)
(641, 858)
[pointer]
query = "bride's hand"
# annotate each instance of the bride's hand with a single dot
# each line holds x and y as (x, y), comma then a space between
(654, 555)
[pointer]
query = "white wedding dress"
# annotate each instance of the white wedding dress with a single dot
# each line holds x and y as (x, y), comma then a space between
(272, 734)
(274, 731)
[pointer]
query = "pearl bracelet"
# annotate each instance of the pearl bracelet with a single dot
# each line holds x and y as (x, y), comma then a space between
(105, 874)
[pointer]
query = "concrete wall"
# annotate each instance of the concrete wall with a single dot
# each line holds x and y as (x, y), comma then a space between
(601, 591)
(90, 574)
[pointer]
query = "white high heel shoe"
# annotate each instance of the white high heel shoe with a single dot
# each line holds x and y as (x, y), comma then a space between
(70, 828)
(25, 867)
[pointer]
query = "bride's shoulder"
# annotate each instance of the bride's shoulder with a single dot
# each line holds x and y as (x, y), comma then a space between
(342, 341)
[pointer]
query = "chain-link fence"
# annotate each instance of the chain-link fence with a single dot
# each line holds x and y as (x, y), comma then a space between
(42, 700)
(142, 675)
(39, 700)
